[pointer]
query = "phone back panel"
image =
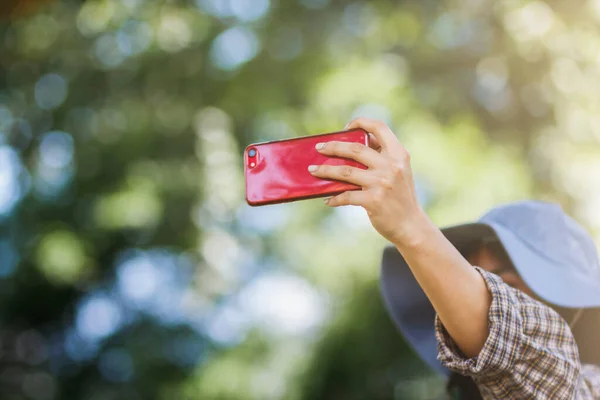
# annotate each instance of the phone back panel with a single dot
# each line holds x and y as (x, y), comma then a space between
(278, 171)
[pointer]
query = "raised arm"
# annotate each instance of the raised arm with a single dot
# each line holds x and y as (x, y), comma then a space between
(456, 290)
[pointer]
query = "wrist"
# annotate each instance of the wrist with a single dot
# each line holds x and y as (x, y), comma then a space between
(415, 233)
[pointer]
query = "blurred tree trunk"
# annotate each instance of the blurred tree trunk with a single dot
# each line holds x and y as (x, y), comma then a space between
(18, 8)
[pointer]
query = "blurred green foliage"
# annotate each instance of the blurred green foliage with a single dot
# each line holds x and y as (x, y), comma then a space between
(130, 267)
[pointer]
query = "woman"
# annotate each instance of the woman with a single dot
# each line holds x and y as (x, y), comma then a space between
(496, 326)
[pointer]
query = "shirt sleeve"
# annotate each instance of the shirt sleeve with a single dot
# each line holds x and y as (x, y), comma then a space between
(530, 352)
(590, 387)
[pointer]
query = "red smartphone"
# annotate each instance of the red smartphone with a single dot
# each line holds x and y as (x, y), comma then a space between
(277, 172)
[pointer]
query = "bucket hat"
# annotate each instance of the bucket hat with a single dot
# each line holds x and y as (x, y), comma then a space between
(553, 254)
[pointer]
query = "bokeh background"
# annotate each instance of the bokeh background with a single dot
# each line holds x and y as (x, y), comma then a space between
(130, 265)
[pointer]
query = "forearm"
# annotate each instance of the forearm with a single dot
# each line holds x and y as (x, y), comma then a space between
(455, 289)
(388, 195)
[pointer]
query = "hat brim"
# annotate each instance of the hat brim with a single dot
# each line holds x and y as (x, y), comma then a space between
(414, 315)
(409, 308)
(557, 285)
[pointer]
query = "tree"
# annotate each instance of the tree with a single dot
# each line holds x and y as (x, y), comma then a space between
(125, 246)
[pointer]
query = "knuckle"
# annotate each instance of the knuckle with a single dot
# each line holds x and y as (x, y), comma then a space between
(356, 148)
(381, 125)
(377, 199)
(360, 121)
(397, 169)
(386, 183)
(346, 171)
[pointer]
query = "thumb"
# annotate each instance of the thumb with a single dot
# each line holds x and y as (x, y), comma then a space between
(374, 142)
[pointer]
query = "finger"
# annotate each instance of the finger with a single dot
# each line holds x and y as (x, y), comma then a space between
(349, 198)
(379, 129)
(352, 150)
(374, 143)
(344, 173)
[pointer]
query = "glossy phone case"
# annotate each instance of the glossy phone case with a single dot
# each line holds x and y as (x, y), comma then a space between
(277, 172)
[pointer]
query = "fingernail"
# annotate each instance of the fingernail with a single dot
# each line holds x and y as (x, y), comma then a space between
(319, 146)
(312, 168)
(327, 201)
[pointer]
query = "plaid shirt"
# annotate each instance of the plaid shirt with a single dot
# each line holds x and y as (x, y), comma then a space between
(530, 352)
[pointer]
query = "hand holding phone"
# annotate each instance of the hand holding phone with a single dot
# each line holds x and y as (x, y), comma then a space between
(277, 172)
(380, 166)
(388, 192)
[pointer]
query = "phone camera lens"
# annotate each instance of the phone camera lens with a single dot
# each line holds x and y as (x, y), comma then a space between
(252, 152)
